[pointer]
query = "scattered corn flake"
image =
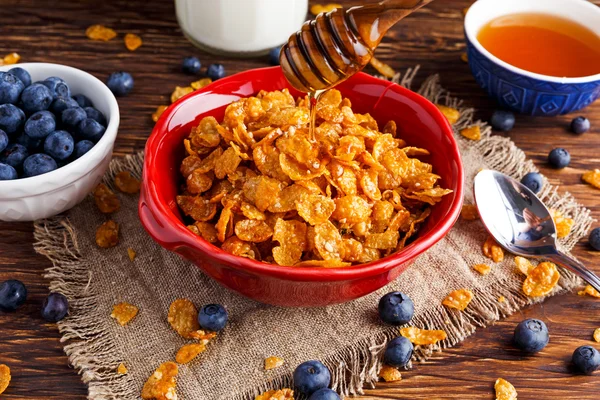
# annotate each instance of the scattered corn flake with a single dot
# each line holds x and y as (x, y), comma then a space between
(458, 299)
(122, 369)
(469, 212)
(161, 384)
(106, 200)
(201, 83)
(541, 280)
(523, 265)
(483, 269)
(501, 299)
(131, 253)
(597, 335)
(283, 394)
(563, 224)
(132, 41)
(4, 377)
(179, 92)
(124, 312)
(464, 57)
(382, 68)
(492, 250)
(273, 362)
(452, 114)
(107, 234)
(505, 390)
(159, 110)
(589, 290)
(100, 32)
(592, 177)
(422, 336)
(188, 352)
(183, 317)
(10, 58)
(472, 132)
(389, 374)
(317, 9)
(127, 183)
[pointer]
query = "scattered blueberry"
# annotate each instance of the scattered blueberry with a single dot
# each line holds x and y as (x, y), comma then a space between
(13, 294)
(82, 147)
(396, 308)
(72, 117)
(215, 71)
(3, 140)
(311, 376)
(595, 239)
(531, 335)
(90, 129)
(55, 307)
(82, 100)
(95, 115)
(58, 87)
(14, 155)
(22, 74)
(533, 181)
(191, 65)
(586, 359)
(59, 145)
(120, 83)
(502, 120)
(559, 158)
(61, 104)
(12, 118)
(36, 97)
(213, 317)
(324, 394)
(32, 145)
(38, 164)
(580, 125)
(7, 172)
(40, 125)
(398, 352)
(274, 55)
(10, 88)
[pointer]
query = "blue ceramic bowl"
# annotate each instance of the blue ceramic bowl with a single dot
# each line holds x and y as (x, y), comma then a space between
(522, 91)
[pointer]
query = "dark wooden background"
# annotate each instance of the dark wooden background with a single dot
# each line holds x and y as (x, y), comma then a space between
(53, 31)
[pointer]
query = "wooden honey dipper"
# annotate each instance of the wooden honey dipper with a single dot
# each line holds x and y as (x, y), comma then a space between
(334, 46)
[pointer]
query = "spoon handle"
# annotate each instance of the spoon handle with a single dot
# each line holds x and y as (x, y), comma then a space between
(569, 263)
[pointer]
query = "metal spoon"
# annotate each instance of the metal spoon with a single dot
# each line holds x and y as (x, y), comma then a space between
(521, 223)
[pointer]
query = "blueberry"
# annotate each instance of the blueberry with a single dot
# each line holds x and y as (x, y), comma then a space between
(215, 71)
(90, 129)
(13, 294)
(32, 145)
(59, 145)
(38, 164)
(55, 307)
(559, 158)
(36, 97)
(213, 317)
(7, 172)
(191, 65)
(502, 120)
(95, 115)
(274, 55)
(40, 125)
(398, 352)
(14, 155)
(120, 83)
(22, 74)
(531, 335)
(72, 117)
(311, 376)
(580, 125)
(586, 359)
(82, 147)
(324, 394)
(61, 104)
(3, 140)
(12, 118)
(533, 181)
(82, 100)
(58, 87)
(10, 88)
(595, 239)
(396, 308)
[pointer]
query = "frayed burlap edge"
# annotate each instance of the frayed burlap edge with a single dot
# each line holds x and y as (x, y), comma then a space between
(92, 350)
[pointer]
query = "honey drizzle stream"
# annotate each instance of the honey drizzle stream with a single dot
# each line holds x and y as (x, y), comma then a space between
(313, 99)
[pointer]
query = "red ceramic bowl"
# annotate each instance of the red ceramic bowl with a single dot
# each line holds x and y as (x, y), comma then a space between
(419, 123)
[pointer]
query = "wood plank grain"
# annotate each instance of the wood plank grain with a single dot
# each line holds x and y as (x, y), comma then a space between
(53, 31)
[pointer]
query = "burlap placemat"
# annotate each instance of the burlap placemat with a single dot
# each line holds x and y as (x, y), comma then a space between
(348, 338)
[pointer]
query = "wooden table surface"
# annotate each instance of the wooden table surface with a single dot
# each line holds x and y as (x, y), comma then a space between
(53, 31)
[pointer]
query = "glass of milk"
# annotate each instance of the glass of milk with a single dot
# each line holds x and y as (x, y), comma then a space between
(243, 28)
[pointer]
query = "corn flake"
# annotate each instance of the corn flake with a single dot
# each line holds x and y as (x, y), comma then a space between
(252, 230)
(183, 317)
(201, 83)
(273, 362)
(563, 224)
(132, 41)
(127, 183)
(131, 253)
(523, 265)
(492, 250)
(589, 290)
(10, 58)
(483, 269)
(390, 374)
(159, 110)
(422, 336)
(291, 236)
(315, 208)
(107, 234)
(592, 177)
(188, 352)
(106, 200)
(471, 132)
(4, 377)
(180, 91)
(458, 299)
(124, 312)
(283, 394)
(541, 280)
(597, 335)
(505, 390)
(501, 299)
(161, 384)
(452, 114)
(382, 68)
(100, 32)
(122, 369)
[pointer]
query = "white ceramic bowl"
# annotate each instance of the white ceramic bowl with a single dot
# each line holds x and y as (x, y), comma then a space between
(49, 194)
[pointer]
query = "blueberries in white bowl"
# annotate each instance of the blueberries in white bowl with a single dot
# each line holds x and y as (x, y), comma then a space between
(40, 124)
(12, 118)
(10, 88)
(14, 155)
(38, 164)
(36, 97)
(22, 74)
(3, 140)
